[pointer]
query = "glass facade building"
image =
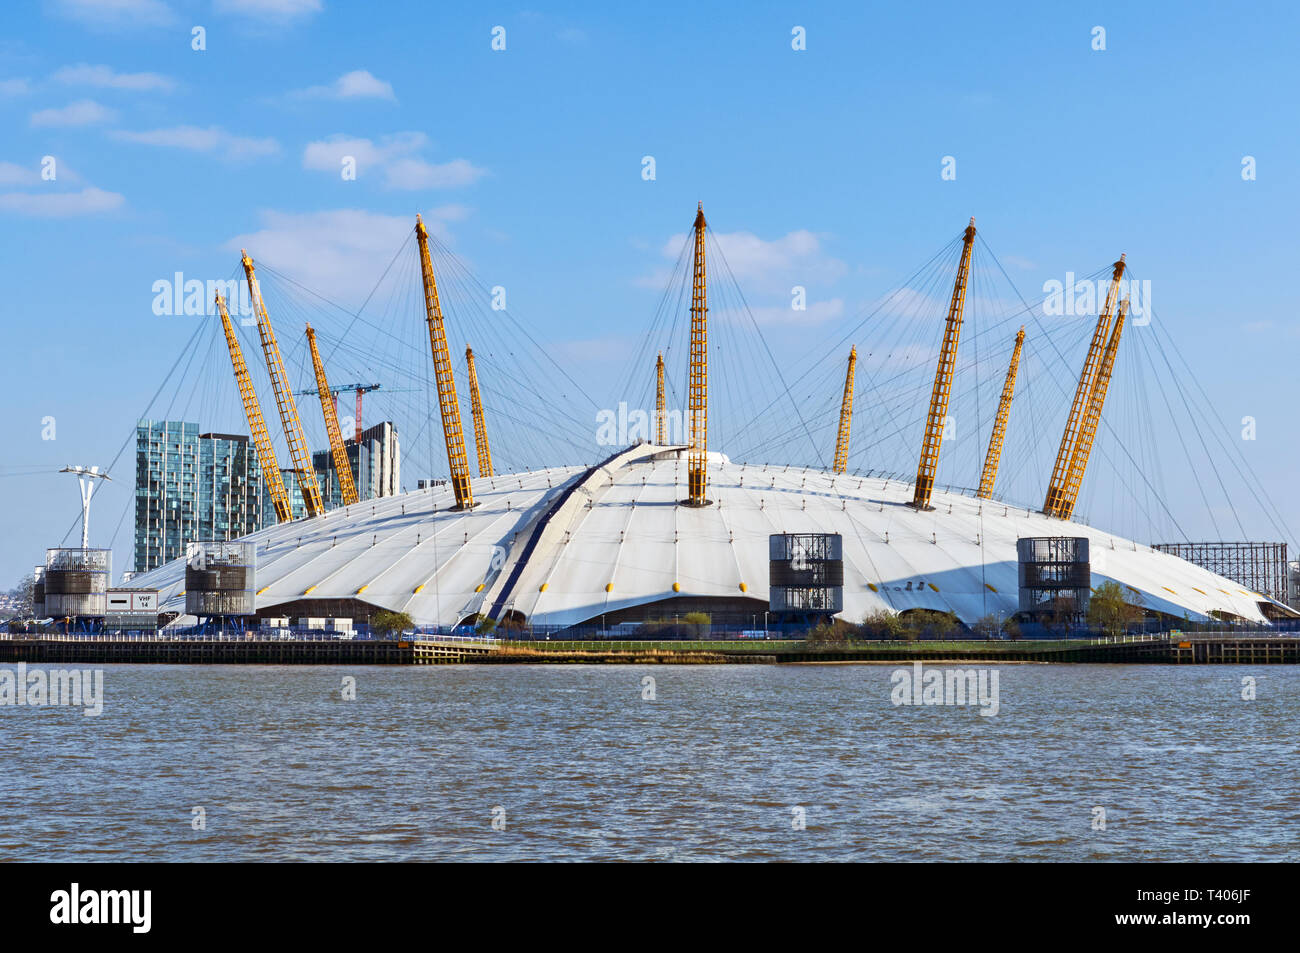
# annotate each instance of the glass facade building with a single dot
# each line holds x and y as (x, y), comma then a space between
(376, 466)
(191, 486)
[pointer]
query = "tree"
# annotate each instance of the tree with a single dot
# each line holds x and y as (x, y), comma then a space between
(835, 630)
(922, 622)
(389, 624)
(1011, 628)
(1060, 613)
(1109, 611)
(21, 594)
(882, 624)
(702, 622)
(988, 627)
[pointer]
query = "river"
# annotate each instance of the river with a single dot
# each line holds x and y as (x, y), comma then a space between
(725, 762)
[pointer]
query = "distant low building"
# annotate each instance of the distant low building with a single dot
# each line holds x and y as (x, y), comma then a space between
(376, 466)
(376, 469)
(1260, 567)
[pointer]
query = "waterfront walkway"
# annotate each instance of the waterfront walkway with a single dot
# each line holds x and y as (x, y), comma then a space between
(1247, 648)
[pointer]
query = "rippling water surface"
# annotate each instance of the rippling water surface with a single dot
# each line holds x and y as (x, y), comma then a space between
(711, 769)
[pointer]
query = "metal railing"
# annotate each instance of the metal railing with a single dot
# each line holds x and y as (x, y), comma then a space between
(465, 639)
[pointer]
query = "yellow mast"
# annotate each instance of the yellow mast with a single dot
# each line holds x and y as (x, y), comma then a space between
(457, 461)
(342, 466)
(1082, 394)
(256, 423)
(994, 456)
(698, 403)
(1092, 420)
(846, 416)
(293, 434)
(480, 428)
(928, 465)
(659, 400)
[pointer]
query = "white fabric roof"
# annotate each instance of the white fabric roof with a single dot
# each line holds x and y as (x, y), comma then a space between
(616, 537)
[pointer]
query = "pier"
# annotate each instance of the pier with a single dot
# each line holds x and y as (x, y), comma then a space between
(91, 651)
(1252, 649)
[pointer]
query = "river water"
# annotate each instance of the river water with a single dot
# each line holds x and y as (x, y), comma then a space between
(727, 762)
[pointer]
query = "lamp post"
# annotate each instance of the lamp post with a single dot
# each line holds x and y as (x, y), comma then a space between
(86, 476)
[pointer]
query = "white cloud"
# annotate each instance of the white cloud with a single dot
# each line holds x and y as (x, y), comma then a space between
(13, 174)
(115, 13)
(84, 112)
(760, 266)
(213, 140)
(358, 84)
(61, 204)
(418, 174)
(15, 87)
(339, 253)
(768, 273)
(817, 312)
(84, 74)
(394, 157)
(279, 10)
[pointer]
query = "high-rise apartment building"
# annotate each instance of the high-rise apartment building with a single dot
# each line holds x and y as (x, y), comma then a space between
(191, 486)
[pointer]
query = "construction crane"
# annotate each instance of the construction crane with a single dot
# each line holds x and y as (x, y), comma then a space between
(994, 457)
(256, 423)
(480, 428)
(342, 466)
(1092, 419)
(293, 435)
(1052, 505)
(698, 402)
(457, 461)
(846, 416)
(337, 389)
(937, 417)
(659, 401)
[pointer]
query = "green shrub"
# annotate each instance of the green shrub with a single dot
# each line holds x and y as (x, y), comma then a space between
(882, 624)
(388, 624)
(927, 622)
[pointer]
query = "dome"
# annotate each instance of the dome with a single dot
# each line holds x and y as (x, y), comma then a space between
(566, 545)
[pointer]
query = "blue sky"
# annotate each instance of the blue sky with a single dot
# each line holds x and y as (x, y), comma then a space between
(822, 166)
